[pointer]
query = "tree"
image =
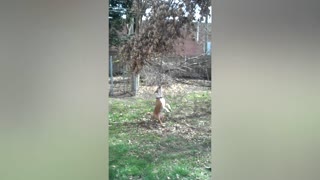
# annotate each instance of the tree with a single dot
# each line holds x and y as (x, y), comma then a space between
(165, 24)
(138, 11)
(117, 10)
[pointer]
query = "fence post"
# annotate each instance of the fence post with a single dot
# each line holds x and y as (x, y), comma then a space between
(111, 76)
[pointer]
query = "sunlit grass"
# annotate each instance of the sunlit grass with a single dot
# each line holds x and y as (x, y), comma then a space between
(135, 153)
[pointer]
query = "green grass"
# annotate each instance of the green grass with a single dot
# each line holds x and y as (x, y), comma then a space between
(127, 111)
(136, 152)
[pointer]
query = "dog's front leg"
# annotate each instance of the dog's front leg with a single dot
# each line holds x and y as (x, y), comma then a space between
(168, 108)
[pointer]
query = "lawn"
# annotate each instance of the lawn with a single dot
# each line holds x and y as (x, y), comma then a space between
(139, 148)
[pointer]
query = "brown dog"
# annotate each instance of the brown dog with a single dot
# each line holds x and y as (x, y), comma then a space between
(160, 105)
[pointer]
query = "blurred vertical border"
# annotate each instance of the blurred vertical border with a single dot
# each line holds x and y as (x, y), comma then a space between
(53, 97)
(266, 89)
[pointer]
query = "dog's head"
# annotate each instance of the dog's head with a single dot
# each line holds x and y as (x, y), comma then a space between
(158, 92)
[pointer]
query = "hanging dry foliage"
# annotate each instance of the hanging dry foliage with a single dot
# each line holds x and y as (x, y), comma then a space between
(166, 24)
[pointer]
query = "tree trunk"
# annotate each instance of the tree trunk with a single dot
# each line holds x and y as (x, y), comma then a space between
(135, 82)
(135, 78)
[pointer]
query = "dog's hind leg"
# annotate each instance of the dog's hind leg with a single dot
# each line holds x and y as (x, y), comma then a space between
(159, 119)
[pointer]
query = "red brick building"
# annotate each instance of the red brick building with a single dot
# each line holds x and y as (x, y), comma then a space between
(194, 44)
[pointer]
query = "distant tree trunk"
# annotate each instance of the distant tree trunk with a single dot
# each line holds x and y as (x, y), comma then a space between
(111, 76)
(206, 37)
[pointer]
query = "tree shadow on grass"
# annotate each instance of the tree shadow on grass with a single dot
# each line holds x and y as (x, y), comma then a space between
(155, 152)
(137, 162)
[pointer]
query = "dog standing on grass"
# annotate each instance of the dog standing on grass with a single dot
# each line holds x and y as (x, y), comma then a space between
(160, 105)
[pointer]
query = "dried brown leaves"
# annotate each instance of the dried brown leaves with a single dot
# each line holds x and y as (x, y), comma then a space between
(166, 24)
